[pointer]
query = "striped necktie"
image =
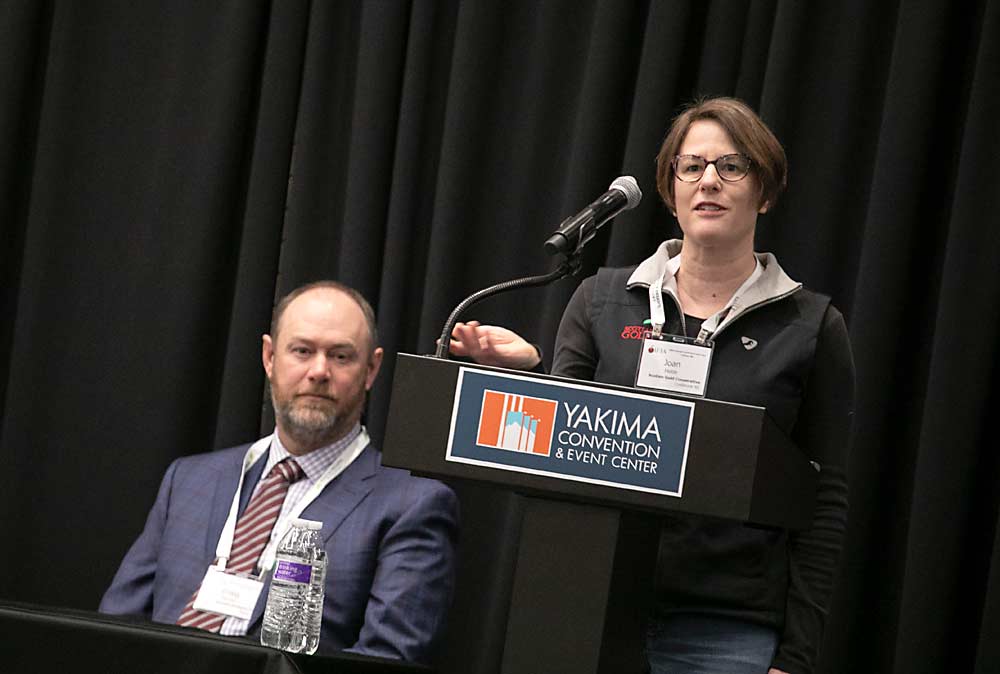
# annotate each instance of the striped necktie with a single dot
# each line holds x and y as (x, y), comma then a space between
(253, 530)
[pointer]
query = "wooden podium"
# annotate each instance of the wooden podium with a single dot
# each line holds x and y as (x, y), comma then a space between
(588, 541)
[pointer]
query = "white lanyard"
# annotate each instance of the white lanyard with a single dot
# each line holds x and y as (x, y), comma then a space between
(256, 450)
(712, 323)
(657, 315)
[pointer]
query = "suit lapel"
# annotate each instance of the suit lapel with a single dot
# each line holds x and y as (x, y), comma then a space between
(344, 494)
(250, 483)
(223, 499)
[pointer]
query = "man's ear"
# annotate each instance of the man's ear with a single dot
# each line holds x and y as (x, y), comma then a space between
(267, 354)
(374, 363)
(763, 208)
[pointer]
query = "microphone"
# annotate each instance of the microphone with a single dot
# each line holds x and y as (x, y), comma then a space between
(577, 230)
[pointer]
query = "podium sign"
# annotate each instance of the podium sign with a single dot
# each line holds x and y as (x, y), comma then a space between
(597, 443)
(627, 440)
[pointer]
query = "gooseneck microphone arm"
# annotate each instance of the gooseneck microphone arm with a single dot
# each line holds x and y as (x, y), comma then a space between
(568, 267)
(568, 241)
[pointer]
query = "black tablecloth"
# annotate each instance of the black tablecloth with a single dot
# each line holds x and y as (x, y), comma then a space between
(39, 640)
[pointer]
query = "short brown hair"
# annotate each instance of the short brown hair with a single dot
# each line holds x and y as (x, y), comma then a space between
(747, 131)
(366, 309)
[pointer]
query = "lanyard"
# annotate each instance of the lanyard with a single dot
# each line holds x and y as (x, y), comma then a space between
(713, 322)
(657, 315)
(256, 450)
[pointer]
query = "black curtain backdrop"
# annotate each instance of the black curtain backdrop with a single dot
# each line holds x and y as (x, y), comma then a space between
(167, 169)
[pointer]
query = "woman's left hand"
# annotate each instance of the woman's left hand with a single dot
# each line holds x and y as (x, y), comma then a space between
(776, 671)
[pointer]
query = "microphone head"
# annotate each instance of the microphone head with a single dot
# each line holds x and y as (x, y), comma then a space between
(628, 186)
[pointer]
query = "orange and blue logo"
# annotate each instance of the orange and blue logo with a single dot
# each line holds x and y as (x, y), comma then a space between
(570, 430)
(517, 423)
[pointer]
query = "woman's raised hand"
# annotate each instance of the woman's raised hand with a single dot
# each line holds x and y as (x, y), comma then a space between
(493, 345)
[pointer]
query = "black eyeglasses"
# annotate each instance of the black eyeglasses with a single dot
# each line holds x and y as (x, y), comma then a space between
(690, 168)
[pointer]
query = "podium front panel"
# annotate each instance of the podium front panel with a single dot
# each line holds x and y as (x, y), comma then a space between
(585, 441)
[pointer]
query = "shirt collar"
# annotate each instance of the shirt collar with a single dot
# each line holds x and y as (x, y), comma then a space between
(314, 463)
(772, 281)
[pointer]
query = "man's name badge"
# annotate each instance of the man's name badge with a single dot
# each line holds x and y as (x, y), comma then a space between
(674, 363)
(227, 594)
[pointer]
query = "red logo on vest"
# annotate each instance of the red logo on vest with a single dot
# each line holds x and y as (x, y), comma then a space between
(633, 331)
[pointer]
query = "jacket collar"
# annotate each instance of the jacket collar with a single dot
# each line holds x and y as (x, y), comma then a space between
(349, 489)
(773, 283)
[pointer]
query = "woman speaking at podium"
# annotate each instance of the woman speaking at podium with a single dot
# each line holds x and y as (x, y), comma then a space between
(728, 598)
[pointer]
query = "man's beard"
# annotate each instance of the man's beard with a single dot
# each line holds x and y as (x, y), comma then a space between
(308, 424)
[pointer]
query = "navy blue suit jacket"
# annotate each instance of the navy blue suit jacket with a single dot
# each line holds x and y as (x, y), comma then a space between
(390, 538)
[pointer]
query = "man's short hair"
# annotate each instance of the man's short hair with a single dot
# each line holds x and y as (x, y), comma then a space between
(366, 308)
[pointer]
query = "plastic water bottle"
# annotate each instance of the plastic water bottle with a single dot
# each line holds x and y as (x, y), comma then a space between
(294, 610)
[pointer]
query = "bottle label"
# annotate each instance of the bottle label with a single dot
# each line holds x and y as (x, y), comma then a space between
(292, 572)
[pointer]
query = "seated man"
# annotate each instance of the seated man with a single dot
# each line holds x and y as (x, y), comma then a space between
(389, 536)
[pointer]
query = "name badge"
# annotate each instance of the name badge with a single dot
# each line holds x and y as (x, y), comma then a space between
(673, 363)
(227, 594)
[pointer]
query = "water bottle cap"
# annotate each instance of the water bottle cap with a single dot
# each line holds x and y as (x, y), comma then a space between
(312, 525)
